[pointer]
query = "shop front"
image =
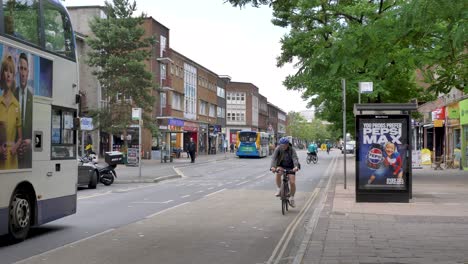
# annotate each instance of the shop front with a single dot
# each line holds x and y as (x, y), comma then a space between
(214, 140)
(453, 132)
(463, 105)
(191, 132)
(171, 131)
(203, 139)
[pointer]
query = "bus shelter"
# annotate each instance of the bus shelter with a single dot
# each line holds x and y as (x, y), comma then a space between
(383, 152)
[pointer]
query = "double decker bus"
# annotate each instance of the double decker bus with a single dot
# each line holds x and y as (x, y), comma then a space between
(38, 106)
(252, 144)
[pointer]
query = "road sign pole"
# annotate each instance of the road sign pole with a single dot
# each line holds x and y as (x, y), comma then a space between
(343, 85)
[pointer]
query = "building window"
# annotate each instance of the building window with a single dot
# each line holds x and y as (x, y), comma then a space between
(190, 88)
(162, 46)
(212, 110)
(202, 108)
(221, 112)
(163, 99)
(220, 92)
(163, 71)
(176, 101)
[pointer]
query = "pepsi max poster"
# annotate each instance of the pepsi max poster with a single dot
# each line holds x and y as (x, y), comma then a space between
(382, 152)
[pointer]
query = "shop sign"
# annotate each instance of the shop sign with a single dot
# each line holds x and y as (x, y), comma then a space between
(438, 123)
(86, 123)
(190, 126)
(453, 112)
(176, 122)
(163, 127)
(214, 129)
(438, 114)
(463, 112)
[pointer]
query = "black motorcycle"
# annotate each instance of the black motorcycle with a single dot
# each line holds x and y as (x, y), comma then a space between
(107, 174)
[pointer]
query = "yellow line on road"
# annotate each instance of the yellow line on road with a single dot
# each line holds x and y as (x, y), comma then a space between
(284, 241)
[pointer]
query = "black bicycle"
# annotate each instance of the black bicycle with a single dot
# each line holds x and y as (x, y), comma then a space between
(284, 189)
(311, 158)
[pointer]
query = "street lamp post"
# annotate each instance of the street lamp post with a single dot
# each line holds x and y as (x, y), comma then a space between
(343, 85)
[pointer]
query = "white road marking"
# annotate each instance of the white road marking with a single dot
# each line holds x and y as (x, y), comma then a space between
(67, 245)
(284, 241)
(149, 202)
(94, 195)
(211, 188)
(185, 196)
(165, 210)
(200, 191)
(215, 193)
(240, 183)
(178, 171)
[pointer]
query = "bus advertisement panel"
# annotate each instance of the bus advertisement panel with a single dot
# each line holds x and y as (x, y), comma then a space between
(23, 75)
(382, 156)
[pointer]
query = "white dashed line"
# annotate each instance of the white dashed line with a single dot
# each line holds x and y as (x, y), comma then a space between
(165, 210)
(240, 183)
(185, 196)
(215, 193)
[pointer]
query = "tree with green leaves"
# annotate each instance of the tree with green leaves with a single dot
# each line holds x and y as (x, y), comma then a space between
(298, 127)
(119, 52)
(362, 40)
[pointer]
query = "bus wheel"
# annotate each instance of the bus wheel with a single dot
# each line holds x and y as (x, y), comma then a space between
(19, 215)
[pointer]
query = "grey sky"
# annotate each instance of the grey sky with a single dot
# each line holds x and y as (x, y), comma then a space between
(241, 43)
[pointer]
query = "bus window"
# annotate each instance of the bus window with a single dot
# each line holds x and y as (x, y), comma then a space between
(248, 136)
(63, 137)
(58, 31)
(21, 19)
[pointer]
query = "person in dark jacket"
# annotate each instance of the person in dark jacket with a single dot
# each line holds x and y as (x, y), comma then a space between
(285, 157)
(192, 148)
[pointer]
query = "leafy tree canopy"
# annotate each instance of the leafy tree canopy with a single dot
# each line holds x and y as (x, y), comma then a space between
(298, 127)
(119, 52)
(380, 41)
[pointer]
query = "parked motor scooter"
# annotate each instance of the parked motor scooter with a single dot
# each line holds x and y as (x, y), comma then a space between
(108, 174)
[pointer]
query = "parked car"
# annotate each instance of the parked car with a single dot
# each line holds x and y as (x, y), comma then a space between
(349, 148)
(88, 174)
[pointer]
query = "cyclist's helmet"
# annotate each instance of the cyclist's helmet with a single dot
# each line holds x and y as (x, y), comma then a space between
(284, 140)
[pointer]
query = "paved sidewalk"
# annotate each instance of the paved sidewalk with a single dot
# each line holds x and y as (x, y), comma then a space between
(432, 228)
(155, 170)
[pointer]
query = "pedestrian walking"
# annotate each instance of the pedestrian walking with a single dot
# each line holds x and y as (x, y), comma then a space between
(192, 149)
(232, 147)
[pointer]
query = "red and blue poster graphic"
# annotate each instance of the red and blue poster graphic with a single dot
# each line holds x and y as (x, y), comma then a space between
(382, 153)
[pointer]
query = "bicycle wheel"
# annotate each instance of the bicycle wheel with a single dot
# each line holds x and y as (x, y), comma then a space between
(284, 205)
(286, 199)
(315, 159)
(308, 159)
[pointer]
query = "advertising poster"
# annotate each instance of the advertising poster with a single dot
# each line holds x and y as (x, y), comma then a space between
(382, 152)
(132, 156)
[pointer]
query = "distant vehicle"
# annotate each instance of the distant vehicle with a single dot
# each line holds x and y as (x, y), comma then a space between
(252, 144)
(88, 174)
(349, 147)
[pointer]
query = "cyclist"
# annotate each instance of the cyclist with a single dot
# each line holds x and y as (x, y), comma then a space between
(312, 149)
(328, 147)
(285, 157)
